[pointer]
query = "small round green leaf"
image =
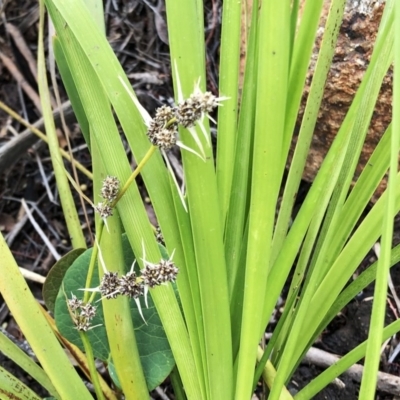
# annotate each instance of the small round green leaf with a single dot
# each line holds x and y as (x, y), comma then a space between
(55, 276)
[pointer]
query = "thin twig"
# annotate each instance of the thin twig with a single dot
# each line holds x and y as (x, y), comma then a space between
(44, 178)
(30, 92)
(40, 231)
(23, 48)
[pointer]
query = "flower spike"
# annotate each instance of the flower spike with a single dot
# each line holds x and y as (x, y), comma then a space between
(157, 274)
(81, 313)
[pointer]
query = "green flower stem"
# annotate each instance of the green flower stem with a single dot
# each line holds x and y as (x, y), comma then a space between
(134, 174)
(269, 374)
(92, 264)
(118, 320)
(91, 364)
(117, 313)
(132, 177)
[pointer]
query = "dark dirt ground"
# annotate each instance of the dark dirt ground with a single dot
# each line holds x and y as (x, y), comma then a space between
(132, 32)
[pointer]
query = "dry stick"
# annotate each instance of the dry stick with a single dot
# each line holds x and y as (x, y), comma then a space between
(26, 53)
(32, 276)
(11, 152)
(17, 228)
(45, 181)
(22, 47)
(40, 231)
(8, 63)
(22, 219)
(386, 382)
(20, 145)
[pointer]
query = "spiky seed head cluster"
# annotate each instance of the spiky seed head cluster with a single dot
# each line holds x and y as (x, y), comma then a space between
(104, 210)
(132, 285)
(208, 101)
(195, 107)
(81, 313)
(189, 111)
(163, 128)
(157, 274)
(110, 188)
(109, 192)
(168, 271)
(74, 303)
(109, 285)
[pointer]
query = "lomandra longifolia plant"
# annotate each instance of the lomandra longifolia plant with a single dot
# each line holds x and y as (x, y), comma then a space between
(191, 298)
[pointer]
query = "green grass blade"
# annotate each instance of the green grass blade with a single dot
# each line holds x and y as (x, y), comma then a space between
(302, 50)
(189, 288)
(319, 190)
(298, 73)
(362, 192)
(373, 352)
(187, 51)
(289, 360)
(365, 100)
(71, 90)
(355, 287)
(345, 264)
(13, 352)
(13, 388)
(37, 331)
(273, 71)
(240, 192)
(228, 86)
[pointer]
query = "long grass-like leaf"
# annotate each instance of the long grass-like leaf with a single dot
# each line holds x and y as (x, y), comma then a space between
(373, 352)
(38, 333)
(13, 352)
(228, 86)
(273, 71)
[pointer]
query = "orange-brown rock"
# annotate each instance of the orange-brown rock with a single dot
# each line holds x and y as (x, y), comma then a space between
(352, 54)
